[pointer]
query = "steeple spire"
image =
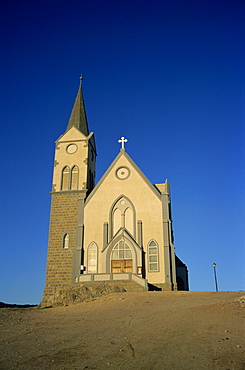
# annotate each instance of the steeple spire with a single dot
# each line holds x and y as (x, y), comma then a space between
(78, 115)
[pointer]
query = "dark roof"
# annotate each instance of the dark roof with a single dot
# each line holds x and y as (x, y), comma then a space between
(78, 116)
(178, 262)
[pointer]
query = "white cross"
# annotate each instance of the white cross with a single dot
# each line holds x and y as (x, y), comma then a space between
(122, 140)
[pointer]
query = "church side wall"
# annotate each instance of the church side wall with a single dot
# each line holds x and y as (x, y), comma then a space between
(63, 219)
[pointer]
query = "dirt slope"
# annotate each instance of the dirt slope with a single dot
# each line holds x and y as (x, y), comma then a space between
(148, 330)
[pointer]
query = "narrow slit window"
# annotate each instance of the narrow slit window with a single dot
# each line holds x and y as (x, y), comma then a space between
(66, 240)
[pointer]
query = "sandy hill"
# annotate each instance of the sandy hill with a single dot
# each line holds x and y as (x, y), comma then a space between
(146, 330)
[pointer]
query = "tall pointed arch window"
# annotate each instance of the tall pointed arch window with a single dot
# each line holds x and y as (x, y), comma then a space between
(153, 259)
(129, 219)
(92, 258)
(123, 215)
(65, 178)
(74, 178)
(117, 222)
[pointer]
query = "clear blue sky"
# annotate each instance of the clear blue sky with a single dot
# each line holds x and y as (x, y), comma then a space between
(168, 75)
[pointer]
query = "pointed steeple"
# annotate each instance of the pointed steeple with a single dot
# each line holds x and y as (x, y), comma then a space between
(78, 115)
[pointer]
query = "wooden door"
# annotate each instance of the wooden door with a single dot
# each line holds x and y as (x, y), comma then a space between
(122, 266)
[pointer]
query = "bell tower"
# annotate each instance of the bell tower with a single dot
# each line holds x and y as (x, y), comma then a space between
(73, 180)
(74, 165)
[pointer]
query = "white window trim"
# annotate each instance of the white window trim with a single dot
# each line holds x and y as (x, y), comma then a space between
(157, 254)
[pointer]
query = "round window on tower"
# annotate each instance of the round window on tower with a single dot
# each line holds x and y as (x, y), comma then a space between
(71, 148)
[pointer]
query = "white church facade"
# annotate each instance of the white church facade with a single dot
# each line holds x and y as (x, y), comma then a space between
(117, 230)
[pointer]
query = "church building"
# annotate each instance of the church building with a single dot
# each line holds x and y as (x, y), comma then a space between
(117, 230)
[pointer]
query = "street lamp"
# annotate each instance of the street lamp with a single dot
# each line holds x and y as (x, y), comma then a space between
(215, 276)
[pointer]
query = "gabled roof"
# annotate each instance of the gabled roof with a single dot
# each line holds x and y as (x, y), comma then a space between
(133, 164)
(78, 116)
(120, 234)
(74, 133)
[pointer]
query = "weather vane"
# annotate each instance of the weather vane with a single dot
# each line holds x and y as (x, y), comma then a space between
(81, 78)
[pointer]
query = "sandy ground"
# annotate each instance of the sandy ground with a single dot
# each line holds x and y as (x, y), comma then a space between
(148, 330)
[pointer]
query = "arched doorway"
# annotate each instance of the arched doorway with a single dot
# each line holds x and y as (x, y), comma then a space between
(121, 258)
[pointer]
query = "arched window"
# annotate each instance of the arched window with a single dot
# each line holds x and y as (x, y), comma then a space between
(116, 220)
(129, 220)
(65, 178)
(66, 240)
(121, 251)
(92, 258)
(74, 178)
(153, 264)
(123, 215)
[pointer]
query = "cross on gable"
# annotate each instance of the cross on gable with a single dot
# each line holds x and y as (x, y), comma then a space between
(123, 140)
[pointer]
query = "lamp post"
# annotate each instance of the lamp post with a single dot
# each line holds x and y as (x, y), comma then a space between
(215, 277)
